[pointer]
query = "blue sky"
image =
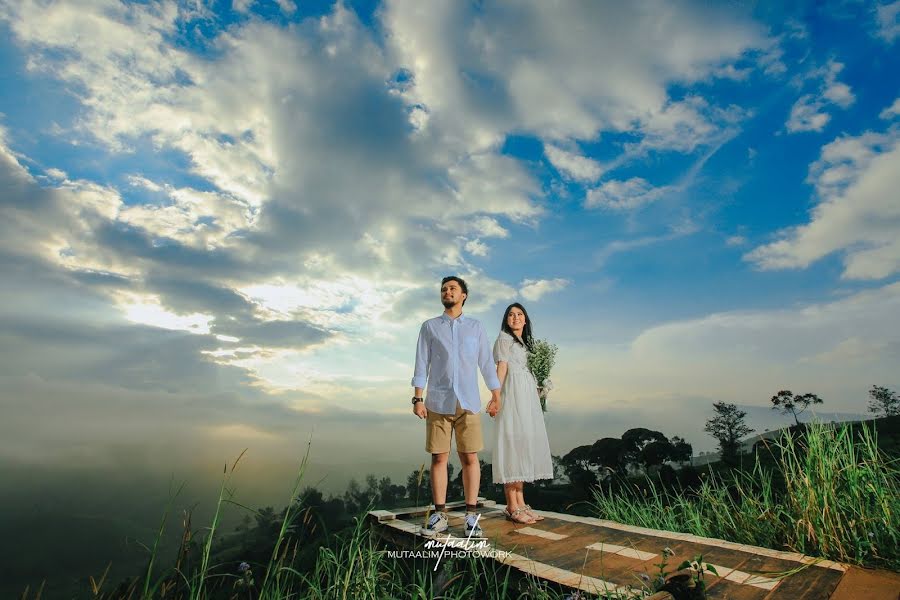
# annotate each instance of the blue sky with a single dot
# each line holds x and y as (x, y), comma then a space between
(225, 221)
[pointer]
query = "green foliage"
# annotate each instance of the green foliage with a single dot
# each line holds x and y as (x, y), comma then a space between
(827, 493)
(541, 358)
(791, 404)
(884, 401)
(728, 427)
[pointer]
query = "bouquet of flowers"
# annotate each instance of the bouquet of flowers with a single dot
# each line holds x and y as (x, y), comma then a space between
(541, 358)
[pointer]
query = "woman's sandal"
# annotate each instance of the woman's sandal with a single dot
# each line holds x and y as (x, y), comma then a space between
(532, 514)
(519, 516)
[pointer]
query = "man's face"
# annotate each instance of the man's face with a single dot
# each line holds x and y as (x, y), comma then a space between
(451, 294)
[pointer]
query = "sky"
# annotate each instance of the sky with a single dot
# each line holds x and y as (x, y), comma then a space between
(224, 222)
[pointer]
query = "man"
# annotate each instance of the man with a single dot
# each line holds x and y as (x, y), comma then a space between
(450, 351)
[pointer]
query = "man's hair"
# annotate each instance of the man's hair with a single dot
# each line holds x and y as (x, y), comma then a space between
(461, 282)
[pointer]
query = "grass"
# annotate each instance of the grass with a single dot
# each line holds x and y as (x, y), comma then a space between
(829, 493)
(354, 565)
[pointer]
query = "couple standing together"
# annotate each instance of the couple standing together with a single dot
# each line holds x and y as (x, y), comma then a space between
(451, 349)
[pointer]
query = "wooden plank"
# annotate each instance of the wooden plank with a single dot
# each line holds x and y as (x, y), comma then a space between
(382, 515)
(623, 570)
(421, 510)
(867, 584)
(809, 584)
(557, 549)
(728, 590)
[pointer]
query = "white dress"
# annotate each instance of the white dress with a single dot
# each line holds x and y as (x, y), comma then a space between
(521, 451)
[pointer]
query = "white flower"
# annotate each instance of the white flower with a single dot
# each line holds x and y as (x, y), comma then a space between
(547, 385)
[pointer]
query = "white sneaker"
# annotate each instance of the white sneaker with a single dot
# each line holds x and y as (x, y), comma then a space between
(436, 524)
(472, 527)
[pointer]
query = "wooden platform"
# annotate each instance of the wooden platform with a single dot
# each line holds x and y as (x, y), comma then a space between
(594, 555)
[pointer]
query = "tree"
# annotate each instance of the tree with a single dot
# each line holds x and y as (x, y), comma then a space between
(883, 400)
(634, 441)
(418, 486)
(788, 403)
(577, 464)
(682, 450)
(728, 427)
(656, 453)
(609, 452)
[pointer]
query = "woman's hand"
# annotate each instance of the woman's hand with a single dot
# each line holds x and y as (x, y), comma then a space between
(493, 408)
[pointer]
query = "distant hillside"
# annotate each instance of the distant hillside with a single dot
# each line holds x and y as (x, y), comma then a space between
(888, 430)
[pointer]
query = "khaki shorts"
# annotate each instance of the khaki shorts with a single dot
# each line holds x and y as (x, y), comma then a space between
(440, 428)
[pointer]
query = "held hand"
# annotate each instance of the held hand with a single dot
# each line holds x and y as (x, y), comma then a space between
(493, 408)
(419, 410)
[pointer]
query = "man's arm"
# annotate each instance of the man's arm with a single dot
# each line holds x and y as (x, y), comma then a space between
(420, 372)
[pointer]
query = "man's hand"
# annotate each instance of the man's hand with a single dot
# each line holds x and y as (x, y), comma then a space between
(419, 410)
(493, 407)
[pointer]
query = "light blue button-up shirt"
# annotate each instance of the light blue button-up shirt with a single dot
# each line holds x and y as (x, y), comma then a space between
(448, 355)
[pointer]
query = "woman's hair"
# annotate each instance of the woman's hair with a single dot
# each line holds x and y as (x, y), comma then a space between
(526, 331)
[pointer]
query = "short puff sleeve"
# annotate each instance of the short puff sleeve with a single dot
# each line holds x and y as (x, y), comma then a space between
(503, 347)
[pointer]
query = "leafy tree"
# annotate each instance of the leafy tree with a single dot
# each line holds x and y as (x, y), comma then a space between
(656, 453)
(682, 451)
(577, 465)
(884, 401)
(610, 453)
(789, 404)
(578, 458)
(728, 427)
(418, 487)
(634, 441)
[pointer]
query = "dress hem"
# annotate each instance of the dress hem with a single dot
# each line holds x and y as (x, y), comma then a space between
(523, 479)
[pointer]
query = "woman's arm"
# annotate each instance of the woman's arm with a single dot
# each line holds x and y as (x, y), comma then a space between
(502, 368)
(493, 406)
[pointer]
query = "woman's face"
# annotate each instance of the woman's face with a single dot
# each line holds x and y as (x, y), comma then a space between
(515, 319)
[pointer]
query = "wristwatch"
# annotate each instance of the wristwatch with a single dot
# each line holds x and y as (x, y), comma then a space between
(416, 399)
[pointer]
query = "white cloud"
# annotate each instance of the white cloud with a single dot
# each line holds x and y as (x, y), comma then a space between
(833, 348)
(809, 111)
(579, 168)
(888, 20)
(891, 111)
(558, 80)
(477, 248)
(856, 179)
(735, 240)
(624, 195)
(287, 6)
(807, 115)
(489, 227)
(535, 289)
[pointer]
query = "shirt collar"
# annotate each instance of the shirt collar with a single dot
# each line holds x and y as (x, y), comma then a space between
(447, 318)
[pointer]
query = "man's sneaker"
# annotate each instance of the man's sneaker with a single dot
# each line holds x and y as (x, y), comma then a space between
(436, 524)
(473, 529)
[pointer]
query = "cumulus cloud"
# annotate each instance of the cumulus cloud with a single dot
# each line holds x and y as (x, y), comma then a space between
(835, 348)
(809, 112)
(807, 115)
(856, 214)
(564, 82)
(575, 166)
(535, 289)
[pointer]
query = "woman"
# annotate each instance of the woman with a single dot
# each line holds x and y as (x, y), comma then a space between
(521, 451)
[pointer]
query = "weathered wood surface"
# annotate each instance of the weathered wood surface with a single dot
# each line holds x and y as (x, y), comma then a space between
(595, 556)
